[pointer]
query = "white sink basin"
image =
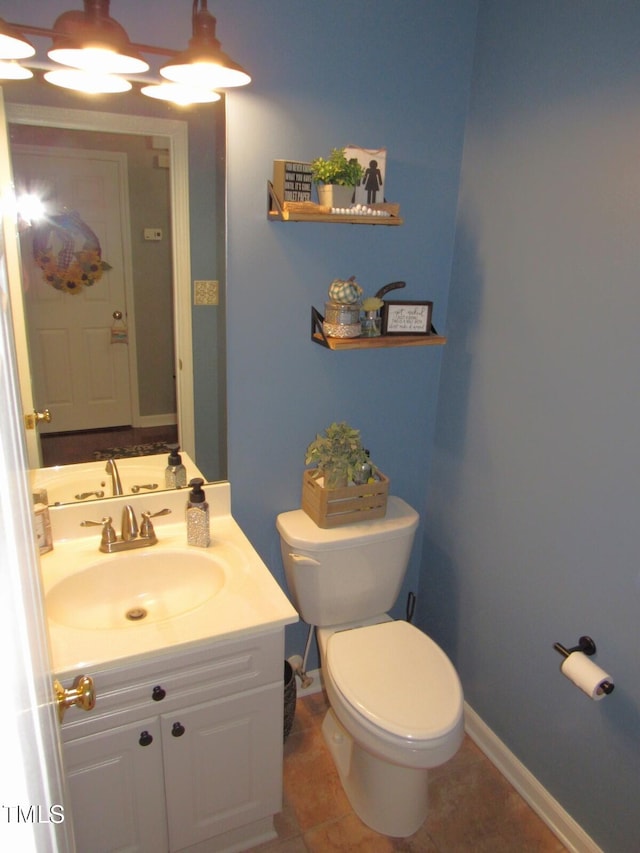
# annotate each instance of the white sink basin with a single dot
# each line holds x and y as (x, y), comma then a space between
(190, 595)
(134, 589)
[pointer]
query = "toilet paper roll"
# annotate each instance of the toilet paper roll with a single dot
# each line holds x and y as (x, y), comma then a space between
(585, 674)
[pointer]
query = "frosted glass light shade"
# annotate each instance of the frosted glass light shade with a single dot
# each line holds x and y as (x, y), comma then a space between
(12, 44)
(98, 60)
(210, 75)
(179, 94)
(10, 70)
(85, 81)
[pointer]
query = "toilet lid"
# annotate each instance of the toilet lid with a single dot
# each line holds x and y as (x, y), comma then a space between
(397, 678)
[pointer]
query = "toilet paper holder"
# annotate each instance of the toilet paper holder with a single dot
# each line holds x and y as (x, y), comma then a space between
(587, 646)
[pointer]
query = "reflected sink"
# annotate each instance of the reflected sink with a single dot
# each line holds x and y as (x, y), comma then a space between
(124, 590)
(81, 481)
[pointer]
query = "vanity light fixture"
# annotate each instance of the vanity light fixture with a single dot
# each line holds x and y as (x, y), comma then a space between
(204, 63)
(95, 55)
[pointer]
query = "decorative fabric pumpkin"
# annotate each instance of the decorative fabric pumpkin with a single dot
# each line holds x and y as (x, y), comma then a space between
(346, 291)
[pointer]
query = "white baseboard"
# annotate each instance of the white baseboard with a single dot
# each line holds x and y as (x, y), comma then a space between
(169, 419)
(544, 805)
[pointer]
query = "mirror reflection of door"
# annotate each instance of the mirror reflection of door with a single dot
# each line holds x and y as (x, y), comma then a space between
(80, 353)
(157, 151)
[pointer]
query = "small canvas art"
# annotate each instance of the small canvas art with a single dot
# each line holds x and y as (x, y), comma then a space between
(292, 180)
(372, 189)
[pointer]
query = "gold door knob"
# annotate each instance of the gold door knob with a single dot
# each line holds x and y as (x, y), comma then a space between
(32, 421)
(82, 694)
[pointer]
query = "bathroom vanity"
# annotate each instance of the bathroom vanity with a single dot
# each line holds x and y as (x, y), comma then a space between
(183, 750)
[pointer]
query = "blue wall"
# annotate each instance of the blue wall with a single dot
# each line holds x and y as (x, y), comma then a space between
(532, 533)
(328, 74)
(528, 480)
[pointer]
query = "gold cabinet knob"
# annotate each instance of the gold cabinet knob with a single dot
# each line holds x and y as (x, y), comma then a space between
(82, 694)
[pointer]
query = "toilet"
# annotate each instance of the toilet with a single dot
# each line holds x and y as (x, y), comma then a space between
(396, 704)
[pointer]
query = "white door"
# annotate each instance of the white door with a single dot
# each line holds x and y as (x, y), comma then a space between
(32, 782)
(79, 350)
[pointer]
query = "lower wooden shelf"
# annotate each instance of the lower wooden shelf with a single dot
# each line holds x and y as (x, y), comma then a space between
(381, 342)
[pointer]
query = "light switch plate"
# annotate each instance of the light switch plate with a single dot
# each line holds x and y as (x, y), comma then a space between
(205, 292)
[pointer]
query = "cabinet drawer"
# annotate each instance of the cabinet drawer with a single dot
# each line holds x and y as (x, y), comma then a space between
(159, 684)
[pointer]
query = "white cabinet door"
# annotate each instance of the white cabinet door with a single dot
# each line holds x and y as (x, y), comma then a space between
(223, 764)
(116, 787)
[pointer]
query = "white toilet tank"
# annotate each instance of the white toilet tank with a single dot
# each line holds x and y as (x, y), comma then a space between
(349, 573)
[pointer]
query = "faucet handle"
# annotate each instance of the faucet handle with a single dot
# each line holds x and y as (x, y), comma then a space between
(108, 533)
(146, 528)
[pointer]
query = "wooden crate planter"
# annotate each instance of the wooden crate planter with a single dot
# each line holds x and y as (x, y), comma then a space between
(333, 507)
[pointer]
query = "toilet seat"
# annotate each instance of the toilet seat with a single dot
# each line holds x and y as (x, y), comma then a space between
(398, 679)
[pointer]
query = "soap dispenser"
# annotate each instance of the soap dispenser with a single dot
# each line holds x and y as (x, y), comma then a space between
(197, 516)
(175, 474)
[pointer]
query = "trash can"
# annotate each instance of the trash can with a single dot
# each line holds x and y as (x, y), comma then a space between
(289, 698)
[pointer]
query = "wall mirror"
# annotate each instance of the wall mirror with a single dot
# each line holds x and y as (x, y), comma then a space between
(169, 168)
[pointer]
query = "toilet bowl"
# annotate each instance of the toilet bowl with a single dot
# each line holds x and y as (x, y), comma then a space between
(396, 702)
(396, 711)
(396, 691)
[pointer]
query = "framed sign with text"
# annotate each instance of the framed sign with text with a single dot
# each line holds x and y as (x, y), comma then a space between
(407, 318)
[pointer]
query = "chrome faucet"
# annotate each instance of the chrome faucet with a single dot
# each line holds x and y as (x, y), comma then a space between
(112, 469)
(131, 536)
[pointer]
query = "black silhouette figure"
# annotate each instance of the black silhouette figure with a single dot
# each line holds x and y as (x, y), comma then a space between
(372, 181)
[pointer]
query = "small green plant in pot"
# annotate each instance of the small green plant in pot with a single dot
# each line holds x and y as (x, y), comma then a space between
(338, 454)
(334, 172)
(337, 170)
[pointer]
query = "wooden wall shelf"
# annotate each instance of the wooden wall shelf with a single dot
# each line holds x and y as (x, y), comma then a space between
(277, 213)
(381, 342)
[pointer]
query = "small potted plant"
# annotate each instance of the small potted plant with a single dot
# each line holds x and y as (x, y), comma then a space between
(334, 172)
(338, 454)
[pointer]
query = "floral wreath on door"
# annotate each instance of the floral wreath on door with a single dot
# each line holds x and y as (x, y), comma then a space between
(64, 266)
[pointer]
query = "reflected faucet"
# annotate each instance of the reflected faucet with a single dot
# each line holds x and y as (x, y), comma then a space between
(112, 470)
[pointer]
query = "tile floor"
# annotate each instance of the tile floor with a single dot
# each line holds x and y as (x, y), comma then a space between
(473, 809)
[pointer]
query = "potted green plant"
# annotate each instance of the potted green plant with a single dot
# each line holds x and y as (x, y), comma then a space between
(336, 172)
(338, 454)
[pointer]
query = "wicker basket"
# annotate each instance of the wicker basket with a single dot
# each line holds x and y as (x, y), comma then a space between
(333, 507)
(289, 698)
